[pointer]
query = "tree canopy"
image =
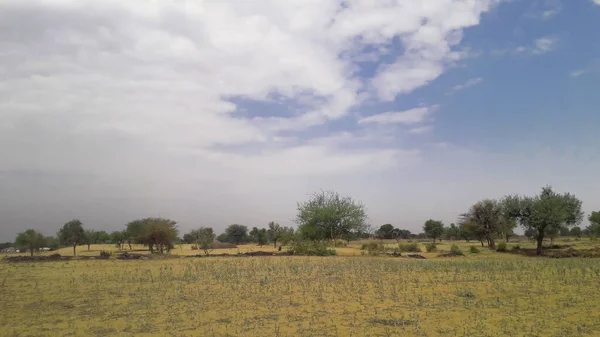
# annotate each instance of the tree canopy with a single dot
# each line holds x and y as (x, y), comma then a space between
(545, 212)
(30, 240)
(236, 234)
(157, 233)
(433, 229)
(328, 215)
(72, 234)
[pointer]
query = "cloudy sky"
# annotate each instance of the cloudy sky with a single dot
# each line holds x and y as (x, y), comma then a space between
(217, 112)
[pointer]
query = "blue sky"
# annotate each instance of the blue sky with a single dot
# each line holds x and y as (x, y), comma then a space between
(220, 112)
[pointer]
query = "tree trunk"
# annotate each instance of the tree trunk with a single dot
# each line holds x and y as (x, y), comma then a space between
(88, 247)
(275, 243)
(481, 242)
(540, 242)
(31, 251)
(74, 252)
(434, 240)
(491, 243)
(129, 243)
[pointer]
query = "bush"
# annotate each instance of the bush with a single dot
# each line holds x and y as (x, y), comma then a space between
(474, 250)
(501, 247)
(194, 247)
(313, 248)
(373, 248)
(457, 251)
(409, 247)
(104, 253)
(430, 247)
(340, 243)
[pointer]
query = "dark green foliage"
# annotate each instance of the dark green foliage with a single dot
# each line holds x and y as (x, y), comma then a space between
(30, 240)
(374, 248)
(105, 254)
(409, 247)
(6, 245)
(259, 236)
(456, 250)
(474, 250)
(433, 229)
(236, 234)
(385, 231)
(118, 238)
(72, 234)
(576, 232)
(327, 215)
(311, 248)
(52, 242)
(486, 221)
(157, 233)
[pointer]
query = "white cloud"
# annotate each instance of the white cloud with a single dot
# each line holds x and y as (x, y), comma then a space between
(544, 45)
(421, 129)
(550, 13)
(469, 83)
(597, 2)
(412, 116)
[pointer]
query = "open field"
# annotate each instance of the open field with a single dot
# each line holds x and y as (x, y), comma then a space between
(487, 294)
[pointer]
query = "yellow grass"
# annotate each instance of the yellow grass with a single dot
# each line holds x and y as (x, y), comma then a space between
(487, 294)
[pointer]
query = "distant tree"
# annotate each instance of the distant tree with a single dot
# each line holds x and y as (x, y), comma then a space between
(486, 220)
(100, 237)
(594, 218)
(433, 229)
(548, 210)
(5, 245)
(287, 236)
(237, 234)
(205, 238)
(223, 238)
(452, 232)
(564, 231)
(30, 240)
(275, 232)
(464, 231)
(157, 233)
(593, 230)
(386, 231)
(89, 237)
(552, 233)
(262, 237)
(327, 215)
(576, 232)
(118, 238)
(72, 234)
(52, 242)
(253, 235)
(531, 233)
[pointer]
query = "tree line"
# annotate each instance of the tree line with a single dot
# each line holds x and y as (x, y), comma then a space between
(328, 216)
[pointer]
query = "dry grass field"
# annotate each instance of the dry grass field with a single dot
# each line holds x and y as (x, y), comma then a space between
(486, 294)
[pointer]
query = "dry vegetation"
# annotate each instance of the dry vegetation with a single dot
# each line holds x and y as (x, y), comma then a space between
(485, 294)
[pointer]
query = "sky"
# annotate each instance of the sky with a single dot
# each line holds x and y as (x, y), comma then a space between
(218, 112)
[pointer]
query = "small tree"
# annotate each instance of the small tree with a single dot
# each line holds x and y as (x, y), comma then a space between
(546, 211)
(275, 232)
(433, 229)
(386, 231)
(205, 238)
(327, 216)
(30, 240)
(89, 237)
(564, 231)
(237, 233)
(72, 234)
(262, 237)
(52, 242)
(487, 221)
(576, 232)
(118, 238)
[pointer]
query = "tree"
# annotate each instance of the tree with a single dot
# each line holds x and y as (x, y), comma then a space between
(576, 232)
(89, 237)
(594, 218)
(287, 235)
(30, 240)
(433, 229)
(223, 238)
(72, 234)
(52, 242)
(564, 231)
(205, 238)
(274, 232)
(237, 234)
(452, 232)
(156, 233)
(253, 235)
(327, 216)
(487, 221)
(262, 237)
(546, 211)
(118, 238)
(386, 231)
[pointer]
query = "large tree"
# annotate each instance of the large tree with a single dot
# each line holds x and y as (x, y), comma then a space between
(72, 234)
(328, 215)
(544, 212)
(157, 233)
(118, 238)
(487, 221)
(433, 229)
(386, 231)
(30, 240)
(237, 234)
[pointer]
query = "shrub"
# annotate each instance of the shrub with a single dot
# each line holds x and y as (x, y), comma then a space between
(430, 247)
(409, 247)
(314, 248)
(501, 247)
(474, 250)
(373, 248)
(516, 247)
(340, 243)
(105, 254)
(194, 247)
(457, 251)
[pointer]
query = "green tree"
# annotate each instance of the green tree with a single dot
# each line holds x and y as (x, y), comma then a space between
(205, 238)
(30, 240)
(223, 238)
(287, 236)
(452, 232)
(72, 234)
(275, 232)
(262, 237)
(386, 231)
(564, 231)
(237, 234)
(594, 218)
(576, 232)
(546, 211)
(157, 233)
(89, 237)
(433, 229)
(327, 215)
(118, 238)
(487, 221)
(52, 242)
